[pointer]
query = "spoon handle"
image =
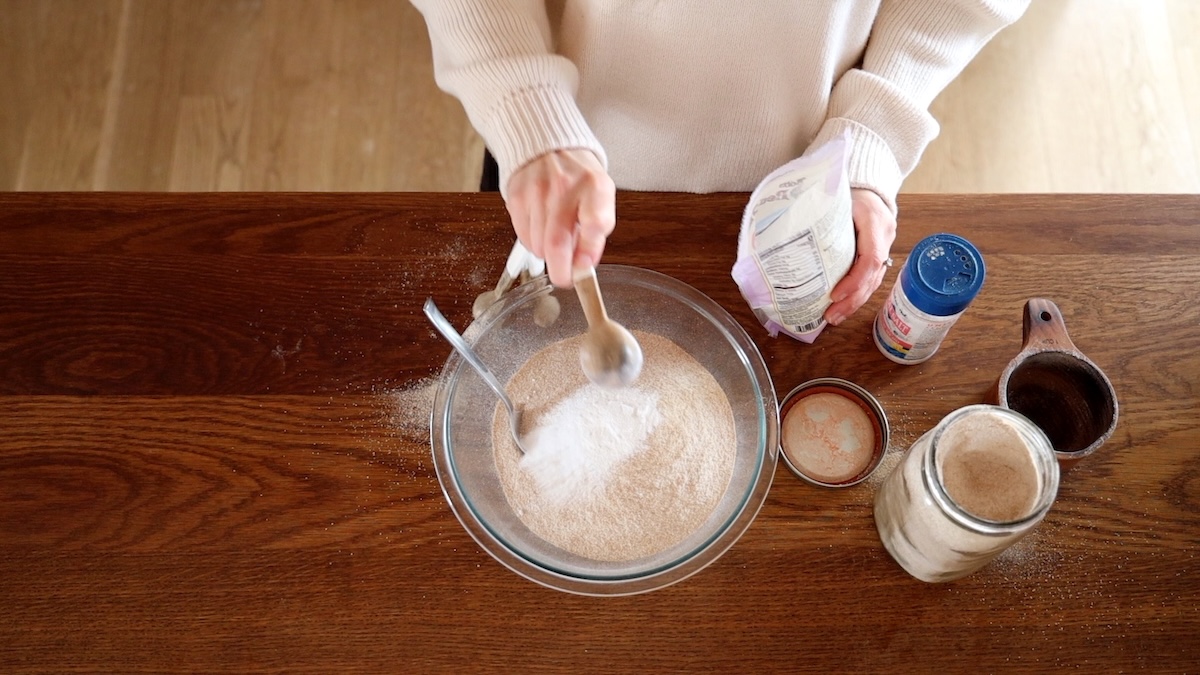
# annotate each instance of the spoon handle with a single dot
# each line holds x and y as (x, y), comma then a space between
(460, 345)
(590, 299)
(518, 259)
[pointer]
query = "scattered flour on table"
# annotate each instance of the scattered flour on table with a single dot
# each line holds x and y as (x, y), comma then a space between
(410, 409)
(1036, 557)
(905, 428)
(616, 474)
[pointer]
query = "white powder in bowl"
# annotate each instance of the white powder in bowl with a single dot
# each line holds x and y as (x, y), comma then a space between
(616, 474)
(587, 435)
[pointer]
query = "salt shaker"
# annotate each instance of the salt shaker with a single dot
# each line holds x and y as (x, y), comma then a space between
(965, 491)
(941, 277)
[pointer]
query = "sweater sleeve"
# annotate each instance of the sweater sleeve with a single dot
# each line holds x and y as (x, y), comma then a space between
(915, 49)
(496, 57)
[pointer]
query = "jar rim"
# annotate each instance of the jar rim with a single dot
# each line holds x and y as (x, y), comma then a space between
(1043, 455)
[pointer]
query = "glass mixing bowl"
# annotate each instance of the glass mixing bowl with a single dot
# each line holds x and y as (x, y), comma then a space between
(506, 336)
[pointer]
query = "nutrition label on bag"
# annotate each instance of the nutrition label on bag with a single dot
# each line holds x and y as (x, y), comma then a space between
(798, 271)
(797, 242)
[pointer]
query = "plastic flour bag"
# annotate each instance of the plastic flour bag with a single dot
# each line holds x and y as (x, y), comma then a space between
(797, 242)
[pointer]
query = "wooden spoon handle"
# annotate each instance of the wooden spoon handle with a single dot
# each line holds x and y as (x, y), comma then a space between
(590, 299)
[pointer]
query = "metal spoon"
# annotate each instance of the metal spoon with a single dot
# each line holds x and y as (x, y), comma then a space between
(610, 355)
(545, 308)
(460, 345)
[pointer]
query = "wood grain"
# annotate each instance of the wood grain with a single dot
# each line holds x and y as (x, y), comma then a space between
(214, 448)
(61, 68)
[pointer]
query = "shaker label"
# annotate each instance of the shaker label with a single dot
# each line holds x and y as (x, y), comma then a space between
(906, 333)
(942, 275)
(895, 320)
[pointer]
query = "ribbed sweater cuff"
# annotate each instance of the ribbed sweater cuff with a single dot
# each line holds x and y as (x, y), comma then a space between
(871, 164)
(531, 122)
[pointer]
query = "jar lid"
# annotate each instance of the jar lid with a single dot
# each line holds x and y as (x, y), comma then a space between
(943, 274)
(833, 433)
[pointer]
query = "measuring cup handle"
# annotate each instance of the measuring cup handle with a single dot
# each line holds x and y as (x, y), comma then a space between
(1044, 326)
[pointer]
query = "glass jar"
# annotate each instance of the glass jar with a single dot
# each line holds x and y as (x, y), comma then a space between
(965, 491)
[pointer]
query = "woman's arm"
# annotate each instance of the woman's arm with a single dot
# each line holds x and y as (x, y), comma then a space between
(916, 48)
(496, 57)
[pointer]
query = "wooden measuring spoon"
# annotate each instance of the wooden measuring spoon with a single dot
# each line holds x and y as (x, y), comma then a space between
(610, 355)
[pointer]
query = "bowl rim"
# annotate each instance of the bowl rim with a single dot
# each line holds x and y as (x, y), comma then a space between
(680, 567)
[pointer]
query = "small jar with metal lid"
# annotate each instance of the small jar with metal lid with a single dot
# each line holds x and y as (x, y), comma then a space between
(942, 275)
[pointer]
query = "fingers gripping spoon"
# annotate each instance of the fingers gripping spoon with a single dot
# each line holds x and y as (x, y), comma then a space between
(610, 355)
(460, 345)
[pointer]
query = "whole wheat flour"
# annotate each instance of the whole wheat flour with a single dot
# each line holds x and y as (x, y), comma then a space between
(616, 474)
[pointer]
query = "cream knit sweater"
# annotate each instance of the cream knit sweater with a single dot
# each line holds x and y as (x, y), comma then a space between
(708, 95)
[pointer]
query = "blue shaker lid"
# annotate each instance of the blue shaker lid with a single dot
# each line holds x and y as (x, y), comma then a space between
(943, 274)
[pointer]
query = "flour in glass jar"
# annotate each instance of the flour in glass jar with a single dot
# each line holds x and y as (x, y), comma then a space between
(616, 474)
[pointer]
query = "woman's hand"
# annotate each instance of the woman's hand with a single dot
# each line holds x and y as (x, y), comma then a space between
(563, 207)
(875, 229)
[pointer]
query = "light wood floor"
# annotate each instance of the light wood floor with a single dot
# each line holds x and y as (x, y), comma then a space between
(1079, 96)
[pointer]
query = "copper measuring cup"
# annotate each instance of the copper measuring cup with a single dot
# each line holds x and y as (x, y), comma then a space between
(1059, 389)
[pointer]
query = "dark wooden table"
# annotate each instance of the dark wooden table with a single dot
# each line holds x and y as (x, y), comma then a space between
(214, 453)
